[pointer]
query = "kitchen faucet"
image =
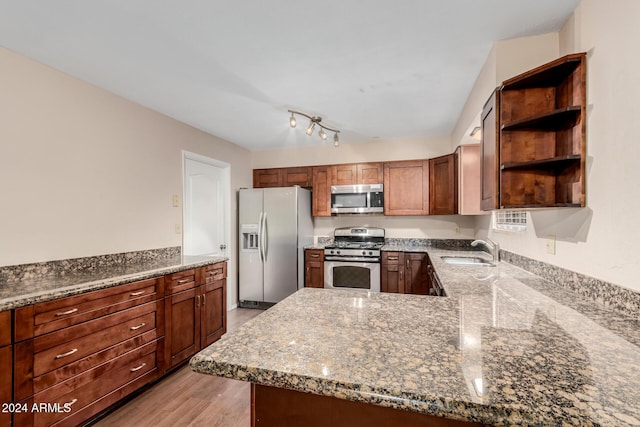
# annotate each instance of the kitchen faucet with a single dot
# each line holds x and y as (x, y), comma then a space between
(494, 248)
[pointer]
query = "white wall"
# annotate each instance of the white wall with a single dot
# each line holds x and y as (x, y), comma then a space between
(600, 240)
(84, 172)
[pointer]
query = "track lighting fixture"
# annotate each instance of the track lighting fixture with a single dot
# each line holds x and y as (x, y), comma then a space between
(313, 121)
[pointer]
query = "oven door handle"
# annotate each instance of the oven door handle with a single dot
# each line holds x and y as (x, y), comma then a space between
(373, 260)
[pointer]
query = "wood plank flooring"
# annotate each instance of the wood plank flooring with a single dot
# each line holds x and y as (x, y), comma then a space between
(185, 398)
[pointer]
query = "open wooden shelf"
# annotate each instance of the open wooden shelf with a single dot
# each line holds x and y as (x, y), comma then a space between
(560, 118)
(552, 163)
(551, 74)
(541, 136)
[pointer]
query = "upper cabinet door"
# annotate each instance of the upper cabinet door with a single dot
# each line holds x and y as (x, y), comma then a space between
(489, 152)
(346, 174)
(297, 176)
(370, 173)
(443, 185)
(264, 178)
(321, 191)
(406, 187)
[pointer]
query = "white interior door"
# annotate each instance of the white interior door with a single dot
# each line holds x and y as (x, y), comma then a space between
(206, 206)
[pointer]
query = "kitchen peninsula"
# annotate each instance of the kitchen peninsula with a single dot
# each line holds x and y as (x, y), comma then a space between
(504, 347)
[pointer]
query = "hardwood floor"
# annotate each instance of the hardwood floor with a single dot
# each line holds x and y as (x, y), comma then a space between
(185, 398)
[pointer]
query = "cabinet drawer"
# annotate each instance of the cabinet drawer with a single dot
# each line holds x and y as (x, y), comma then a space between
(88, 388)
(391, 258)
(71, 344)
(46, 317)
(214, 272)
(181, 281)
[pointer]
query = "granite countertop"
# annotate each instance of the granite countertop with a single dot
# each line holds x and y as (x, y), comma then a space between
(505, 347)
(14, 294)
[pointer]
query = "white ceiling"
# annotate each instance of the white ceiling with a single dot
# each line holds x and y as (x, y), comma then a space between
(374, 69)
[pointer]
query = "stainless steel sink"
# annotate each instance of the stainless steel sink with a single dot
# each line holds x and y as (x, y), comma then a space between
(467, 260)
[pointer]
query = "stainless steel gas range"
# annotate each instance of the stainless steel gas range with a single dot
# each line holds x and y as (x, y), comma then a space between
(353, 260)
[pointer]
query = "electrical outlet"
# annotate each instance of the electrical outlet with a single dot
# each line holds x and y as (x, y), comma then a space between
(550, 245)
(178, 229)
(175, 201)
(457, 229)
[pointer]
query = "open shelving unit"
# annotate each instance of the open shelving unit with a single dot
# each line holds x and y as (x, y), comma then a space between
(542, 118)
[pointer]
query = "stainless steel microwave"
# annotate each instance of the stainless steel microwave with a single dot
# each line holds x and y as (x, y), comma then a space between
(357, 198)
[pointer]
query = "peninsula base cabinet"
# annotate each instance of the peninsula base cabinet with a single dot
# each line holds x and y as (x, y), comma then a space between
(408, 273)
(195, 311)
(278, 407)
(6, 362)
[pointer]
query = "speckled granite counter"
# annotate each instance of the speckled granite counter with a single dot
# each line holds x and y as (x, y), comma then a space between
(31, 290)
(505, 347)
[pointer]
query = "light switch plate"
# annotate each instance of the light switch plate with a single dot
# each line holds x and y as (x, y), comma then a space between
(175, 201)
(550, 245)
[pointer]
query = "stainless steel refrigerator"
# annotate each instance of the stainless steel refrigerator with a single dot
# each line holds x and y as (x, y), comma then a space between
(275, 225)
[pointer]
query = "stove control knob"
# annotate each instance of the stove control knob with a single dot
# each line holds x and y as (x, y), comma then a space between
(338, 252)
(364, 252)
(370, 253)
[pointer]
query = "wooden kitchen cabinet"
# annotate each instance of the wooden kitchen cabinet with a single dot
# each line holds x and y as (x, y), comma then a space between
(435, 287)
(542, 136)
(406, 186)
(469, 182)
(392, 272)
(314, 268)
(357, 173)
(265, 178)
(443, 185)
(195, 311)
(301, 176)
(87, 351)
(416, 277)
(6, 363)
(489, 147)
(321, 191)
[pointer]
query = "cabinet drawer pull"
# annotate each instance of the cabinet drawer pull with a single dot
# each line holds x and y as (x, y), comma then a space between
(72, 402)
(180, 282)
(64, 313)
(204, 299)
(392, 258)
(134, 328)
(137, 368)
(68, 353)
(214, 272)
(314, 256)
(136, 294)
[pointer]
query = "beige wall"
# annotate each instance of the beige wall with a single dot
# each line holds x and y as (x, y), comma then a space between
(506, 59)
(84, 172)
(375, 151)
(600, 240)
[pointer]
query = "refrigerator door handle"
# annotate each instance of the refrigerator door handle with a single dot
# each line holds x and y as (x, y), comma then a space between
(265, 236)
(260, 231)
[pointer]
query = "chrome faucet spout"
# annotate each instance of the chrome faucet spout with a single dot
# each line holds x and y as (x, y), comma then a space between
(493, 248)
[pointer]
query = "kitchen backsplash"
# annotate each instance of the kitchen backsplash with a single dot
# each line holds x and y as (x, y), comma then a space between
(16, 273)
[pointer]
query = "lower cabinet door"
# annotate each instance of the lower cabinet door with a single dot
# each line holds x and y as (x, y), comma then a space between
(214, 307)
(182, 333)
(6, 395)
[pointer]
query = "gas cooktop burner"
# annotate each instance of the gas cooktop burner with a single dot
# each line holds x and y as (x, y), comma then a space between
(356, 243)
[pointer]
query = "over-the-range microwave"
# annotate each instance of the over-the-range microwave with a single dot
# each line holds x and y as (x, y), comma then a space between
(367, 198)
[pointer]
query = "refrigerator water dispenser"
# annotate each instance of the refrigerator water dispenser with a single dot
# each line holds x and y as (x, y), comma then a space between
(249, 233)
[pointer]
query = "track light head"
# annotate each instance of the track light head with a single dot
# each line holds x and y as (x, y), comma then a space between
(313, 121)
